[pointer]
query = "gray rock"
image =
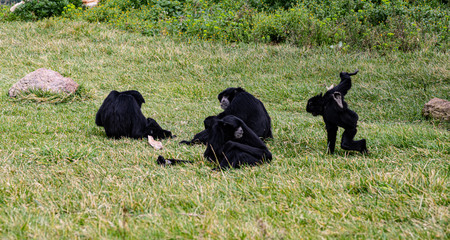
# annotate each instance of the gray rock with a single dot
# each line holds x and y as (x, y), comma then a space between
(44, 79)
(437, 108)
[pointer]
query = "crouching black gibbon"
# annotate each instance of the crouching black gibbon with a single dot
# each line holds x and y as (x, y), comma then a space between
(121, 116)
(240, 103)
(336, 113)
(231, 143)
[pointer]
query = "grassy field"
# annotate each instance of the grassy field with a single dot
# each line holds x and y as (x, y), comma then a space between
(62, 178)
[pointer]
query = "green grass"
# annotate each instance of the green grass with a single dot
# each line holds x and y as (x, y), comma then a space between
(62, 178)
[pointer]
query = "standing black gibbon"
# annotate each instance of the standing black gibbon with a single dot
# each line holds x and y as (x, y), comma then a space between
(335, 113)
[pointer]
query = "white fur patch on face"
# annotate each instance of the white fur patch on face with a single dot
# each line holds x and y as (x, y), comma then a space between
(239, 133)
(224, 103)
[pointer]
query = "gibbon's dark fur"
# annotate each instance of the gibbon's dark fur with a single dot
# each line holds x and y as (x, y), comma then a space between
(201, 137)
(167, 162)
(335, 113)
(121, 116)
(231, 143)
(239, 103)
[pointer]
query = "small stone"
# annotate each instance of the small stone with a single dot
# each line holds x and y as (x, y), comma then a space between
(437, 108)
(44, 79)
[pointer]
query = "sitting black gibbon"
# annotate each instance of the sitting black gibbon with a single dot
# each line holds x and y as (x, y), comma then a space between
(336, 113)
(231, 143)
(239, 103)
(121, 116)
